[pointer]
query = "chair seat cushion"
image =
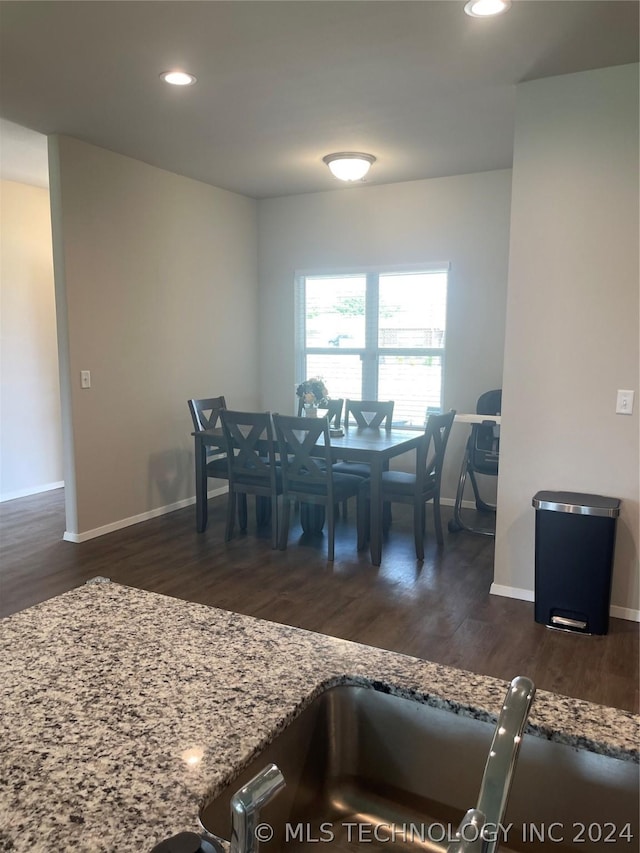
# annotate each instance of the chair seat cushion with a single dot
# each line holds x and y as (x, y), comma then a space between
(218, 468)
(344, 486)
(247, 479)
(401, 483)
(357, 469)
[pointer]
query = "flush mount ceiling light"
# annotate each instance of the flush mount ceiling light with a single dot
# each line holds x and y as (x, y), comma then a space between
(486, 8)
(349, 165)
(178, 78)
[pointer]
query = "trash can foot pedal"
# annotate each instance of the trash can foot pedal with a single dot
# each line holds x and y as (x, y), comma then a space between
(568, 624)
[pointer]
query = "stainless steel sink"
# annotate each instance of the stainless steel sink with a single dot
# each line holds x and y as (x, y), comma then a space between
(365, 767)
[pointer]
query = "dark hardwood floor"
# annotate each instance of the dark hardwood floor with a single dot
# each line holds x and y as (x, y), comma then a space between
(440, 610)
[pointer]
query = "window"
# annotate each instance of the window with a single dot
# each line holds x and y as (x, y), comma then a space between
(376, 336)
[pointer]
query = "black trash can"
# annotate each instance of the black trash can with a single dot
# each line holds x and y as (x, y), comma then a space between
(575, 535)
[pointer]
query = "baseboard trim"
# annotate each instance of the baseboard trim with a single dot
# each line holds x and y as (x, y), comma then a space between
(463, 504)
(624, 613)
(33, 490)
(511, 592)
(136, 519)
(528, 595)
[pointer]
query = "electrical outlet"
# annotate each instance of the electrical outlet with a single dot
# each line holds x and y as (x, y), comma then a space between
(624, 403)
(85, 379)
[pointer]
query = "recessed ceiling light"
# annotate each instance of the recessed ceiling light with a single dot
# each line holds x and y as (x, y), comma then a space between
(178, 78)
(349, 165)
(486, 8)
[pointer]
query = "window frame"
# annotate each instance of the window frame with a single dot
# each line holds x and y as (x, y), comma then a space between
(371, 352)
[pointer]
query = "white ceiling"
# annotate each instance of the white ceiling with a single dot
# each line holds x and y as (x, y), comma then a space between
(425, 88)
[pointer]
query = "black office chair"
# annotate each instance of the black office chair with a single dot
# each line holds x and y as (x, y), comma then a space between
(423, 486)
(481, 456)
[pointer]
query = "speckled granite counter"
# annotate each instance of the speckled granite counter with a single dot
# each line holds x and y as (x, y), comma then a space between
(107, 689)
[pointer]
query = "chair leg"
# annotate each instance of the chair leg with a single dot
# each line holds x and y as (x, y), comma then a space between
(418, 529)
(437, 521)
(242, 511)
(284, 524)
(231, 514)
(361, 512)
(274, 521)
(331, 525)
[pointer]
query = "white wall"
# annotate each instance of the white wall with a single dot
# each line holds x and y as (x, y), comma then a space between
(30, 426)
(572, 315)
(463, 220)
(157, 296)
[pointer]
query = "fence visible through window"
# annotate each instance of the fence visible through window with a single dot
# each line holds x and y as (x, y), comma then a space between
(376, 335)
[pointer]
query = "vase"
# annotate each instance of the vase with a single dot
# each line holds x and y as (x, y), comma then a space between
(310, 411)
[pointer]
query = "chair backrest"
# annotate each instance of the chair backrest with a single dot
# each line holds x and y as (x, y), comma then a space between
(490, 403)
(485, 438)
(431, 451)
(305, 454)
(369, 413)
(205, 414)
(251, 453)
(334, 411)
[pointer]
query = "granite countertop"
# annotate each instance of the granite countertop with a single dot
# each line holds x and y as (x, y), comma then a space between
(108, 692)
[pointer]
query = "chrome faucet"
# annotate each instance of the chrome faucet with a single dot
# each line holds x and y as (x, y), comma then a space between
(246, 804)
(479, 829)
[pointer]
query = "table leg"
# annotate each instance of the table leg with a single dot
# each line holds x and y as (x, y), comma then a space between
(201, 485)
(375, 518)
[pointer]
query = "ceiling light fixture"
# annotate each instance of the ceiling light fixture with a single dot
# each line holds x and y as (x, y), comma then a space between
(349, 165)
(178, 78)
(486, 8)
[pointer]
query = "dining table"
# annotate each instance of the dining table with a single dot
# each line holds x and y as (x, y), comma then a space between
(371, 445)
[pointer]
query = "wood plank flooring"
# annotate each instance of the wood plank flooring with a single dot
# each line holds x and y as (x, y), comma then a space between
(440, 610)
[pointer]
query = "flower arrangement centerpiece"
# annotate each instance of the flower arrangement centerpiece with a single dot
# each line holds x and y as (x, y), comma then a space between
(313, 392)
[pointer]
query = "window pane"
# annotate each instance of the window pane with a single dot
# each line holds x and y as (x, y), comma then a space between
(412, 310)
(414, 382)
(411, 317)
(334, 311)
(342, 374)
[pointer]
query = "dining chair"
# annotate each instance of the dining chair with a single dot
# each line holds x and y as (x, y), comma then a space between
(334, 411)
(304, 447)
(205, 414)
(369, 413)
(423, 485)
(251, 465)
(366, 413)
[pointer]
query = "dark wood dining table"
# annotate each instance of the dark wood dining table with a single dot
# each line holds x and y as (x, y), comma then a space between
(374, 446)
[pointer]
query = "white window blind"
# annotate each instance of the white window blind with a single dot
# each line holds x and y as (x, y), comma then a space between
(376, 334)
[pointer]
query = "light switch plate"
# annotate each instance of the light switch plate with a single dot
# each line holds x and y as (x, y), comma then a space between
(85, 379)
(624, 403)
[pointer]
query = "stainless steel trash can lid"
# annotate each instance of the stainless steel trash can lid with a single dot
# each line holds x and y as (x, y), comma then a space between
(577, 502)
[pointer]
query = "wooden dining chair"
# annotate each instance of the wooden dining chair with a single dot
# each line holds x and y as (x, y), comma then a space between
(366, 413)
(304, 447)
(369, 413)
(333, 408)
(205, 414)
(251, 465)
(423, 486)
